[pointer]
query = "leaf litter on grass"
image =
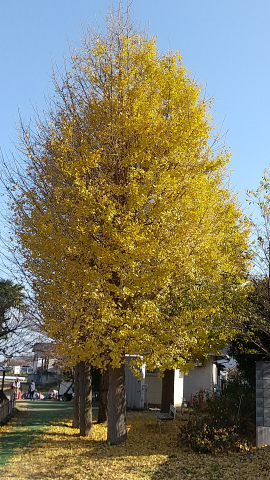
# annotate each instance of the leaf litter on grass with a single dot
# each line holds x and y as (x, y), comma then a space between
(61, 454)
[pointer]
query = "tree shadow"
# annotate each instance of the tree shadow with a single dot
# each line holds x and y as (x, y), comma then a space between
(144, 440)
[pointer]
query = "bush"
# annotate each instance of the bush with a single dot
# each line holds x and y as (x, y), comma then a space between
(204, 438)
(221, 423)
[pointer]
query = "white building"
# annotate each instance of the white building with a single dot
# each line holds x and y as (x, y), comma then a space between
(44, 357)
(202, 377)
(148, 390)
(154, 387)
(135, 386)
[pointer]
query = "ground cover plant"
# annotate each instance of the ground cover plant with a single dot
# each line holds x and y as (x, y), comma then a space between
(59, 453)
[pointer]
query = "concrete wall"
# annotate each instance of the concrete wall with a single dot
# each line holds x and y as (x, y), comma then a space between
(262, 404)
(43, 378)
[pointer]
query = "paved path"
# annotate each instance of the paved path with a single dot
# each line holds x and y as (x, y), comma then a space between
(35, 417)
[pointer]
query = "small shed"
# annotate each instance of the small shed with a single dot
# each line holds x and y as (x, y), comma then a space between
(135, 386)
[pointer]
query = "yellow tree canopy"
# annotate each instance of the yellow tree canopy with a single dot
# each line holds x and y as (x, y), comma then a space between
(124, 208)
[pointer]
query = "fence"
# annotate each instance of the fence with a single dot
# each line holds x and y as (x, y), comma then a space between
(6, 407)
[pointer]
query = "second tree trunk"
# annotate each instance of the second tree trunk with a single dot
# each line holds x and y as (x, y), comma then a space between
(85, 379)
(167, 391)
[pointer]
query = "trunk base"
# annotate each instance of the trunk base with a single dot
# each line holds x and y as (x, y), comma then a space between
(117, 427)
(85, 379)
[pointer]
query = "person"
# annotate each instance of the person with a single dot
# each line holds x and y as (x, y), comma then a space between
(16, 387)
(31, 390)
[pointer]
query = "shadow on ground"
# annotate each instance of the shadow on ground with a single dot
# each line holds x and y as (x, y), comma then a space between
(33, 419)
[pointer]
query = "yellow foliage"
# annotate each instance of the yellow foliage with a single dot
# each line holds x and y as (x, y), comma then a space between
(125, 208)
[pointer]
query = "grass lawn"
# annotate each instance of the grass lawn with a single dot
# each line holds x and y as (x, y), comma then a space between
(58, 452)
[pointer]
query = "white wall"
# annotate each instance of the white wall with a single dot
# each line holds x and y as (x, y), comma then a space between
(154, 388)
(135, 391)
(134, 388)
(178, 388)
(200, 378)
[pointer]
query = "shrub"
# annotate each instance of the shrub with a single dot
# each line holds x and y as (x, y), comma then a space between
(201, 436)
(221, 423)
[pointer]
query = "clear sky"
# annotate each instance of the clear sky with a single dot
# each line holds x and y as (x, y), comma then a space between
(225, 43)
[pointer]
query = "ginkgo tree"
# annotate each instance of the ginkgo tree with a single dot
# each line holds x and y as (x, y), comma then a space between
(123, 206)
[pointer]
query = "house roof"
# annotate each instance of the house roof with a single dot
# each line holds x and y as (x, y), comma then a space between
(43, 348)
(20, 361)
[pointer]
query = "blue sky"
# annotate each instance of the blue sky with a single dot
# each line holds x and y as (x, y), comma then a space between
(225, 43)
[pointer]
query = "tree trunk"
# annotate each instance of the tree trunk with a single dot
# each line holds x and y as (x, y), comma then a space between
(117, 428)
(85, 379)
(76, 402)
(167, 391)
(103, 397)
